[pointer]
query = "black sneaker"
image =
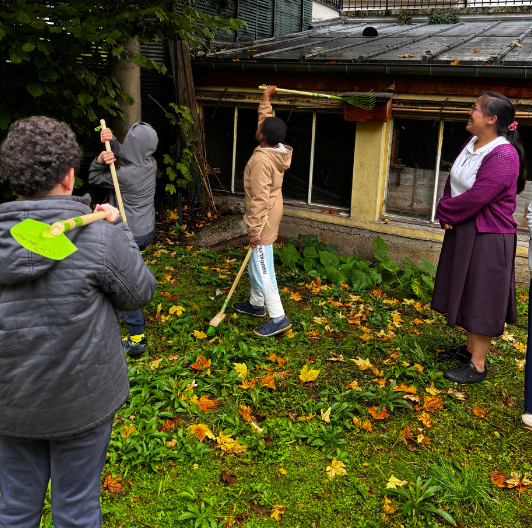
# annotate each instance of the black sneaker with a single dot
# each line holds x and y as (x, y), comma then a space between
(456, 354)
(248, 309)
(466, 373)
(271, 328)
(134, 350)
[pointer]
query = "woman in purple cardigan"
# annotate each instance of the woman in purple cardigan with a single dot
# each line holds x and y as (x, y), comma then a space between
(475, 281)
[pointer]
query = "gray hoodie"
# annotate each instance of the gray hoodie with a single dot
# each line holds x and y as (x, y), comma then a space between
(63, 369)
(136, 177)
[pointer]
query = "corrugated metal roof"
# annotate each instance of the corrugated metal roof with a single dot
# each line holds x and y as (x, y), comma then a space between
(482, 42)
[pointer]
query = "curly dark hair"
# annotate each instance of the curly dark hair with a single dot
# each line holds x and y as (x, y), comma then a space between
(37, 154)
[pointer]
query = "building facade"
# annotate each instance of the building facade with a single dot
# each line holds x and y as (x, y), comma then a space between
(357, 174)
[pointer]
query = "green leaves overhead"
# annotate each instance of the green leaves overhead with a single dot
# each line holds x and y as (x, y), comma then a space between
(55, 54)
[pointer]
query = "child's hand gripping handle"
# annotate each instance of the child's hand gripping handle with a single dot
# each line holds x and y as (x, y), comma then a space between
(115, 179)
(243, 267)
(66, 225)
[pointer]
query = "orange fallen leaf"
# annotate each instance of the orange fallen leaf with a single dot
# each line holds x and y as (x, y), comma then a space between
(112, 484)
(499, 479)
(128, 430)
(201, 431)
(268, 381)
(433, 403)
(480, 412)
(425, 419)
(245, 412)
(378, 416)
(206, 404)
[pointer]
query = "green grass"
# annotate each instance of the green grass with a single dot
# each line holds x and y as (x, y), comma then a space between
(285, 460)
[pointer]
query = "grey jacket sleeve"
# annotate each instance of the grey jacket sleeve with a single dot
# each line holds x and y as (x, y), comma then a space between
(115, 146)
(127, 281)
(100, 175)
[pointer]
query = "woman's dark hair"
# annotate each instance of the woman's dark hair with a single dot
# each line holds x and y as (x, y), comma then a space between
(274, 130)
(37, 154)
(496, 104)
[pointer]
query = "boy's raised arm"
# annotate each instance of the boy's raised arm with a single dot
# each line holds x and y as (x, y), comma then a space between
(265, 108)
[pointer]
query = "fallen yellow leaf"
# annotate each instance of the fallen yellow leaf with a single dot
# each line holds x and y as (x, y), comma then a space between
(394, 482)
(307, 375)
(277, 512)
(337, 467)
(326, 416)
(242, 370)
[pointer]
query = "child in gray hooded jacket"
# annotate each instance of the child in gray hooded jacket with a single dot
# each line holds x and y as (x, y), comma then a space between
(136, 177)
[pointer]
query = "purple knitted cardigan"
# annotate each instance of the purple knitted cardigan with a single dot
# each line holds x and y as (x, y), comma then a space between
(491, 199)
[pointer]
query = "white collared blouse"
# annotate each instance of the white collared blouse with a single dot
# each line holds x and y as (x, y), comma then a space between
(465, 168)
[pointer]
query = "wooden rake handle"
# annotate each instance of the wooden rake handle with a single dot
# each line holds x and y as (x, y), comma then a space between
(243, 267)
(296, 92)
(115, 179)
(67, 225)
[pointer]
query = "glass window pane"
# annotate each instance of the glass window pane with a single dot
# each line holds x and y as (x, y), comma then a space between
(219, 144)
(414, 147)
(334, 146)
(454, 136)
(248, 119)
(299, 137)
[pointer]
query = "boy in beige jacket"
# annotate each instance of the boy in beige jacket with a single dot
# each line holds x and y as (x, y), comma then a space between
(263, 179)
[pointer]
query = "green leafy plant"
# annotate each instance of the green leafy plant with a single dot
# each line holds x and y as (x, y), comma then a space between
(387, 398)
(201, 515)
(416, 501)
(405, 17)
(420, 280)
(444, 18)
(188, 161)
(462, 486)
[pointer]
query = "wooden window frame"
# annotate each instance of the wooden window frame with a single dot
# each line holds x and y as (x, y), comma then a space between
(311, 170)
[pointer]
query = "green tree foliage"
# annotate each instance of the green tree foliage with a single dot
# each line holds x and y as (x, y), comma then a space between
(54, 55)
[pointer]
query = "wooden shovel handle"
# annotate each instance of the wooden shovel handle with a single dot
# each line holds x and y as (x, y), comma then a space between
(67, 225)
(296, 92)
(115, 179)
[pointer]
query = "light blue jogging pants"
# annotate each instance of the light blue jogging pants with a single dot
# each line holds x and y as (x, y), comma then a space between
(264, 291)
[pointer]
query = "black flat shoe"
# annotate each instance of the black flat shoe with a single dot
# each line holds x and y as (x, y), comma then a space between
(456, 354)
(466, 373)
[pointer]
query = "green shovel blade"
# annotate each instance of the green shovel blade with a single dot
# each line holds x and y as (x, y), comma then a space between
(30, 235)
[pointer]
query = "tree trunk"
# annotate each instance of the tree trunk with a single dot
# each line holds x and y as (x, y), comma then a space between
(127, 73)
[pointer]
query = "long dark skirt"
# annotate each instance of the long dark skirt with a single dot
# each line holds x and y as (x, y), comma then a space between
(475, 281)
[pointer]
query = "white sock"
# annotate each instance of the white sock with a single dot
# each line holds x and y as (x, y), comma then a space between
(278, 319)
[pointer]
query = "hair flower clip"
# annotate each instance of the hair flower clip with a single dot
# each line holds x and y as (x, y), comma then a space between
(513, 126)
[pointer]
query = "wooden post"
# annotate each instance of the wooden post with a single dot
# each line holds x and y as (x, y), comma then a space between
(187, 97)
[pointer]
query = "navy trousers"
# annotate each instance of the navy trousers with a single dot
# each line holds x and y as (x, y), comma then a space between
(528, 366)
(74, 464)
(135, 320)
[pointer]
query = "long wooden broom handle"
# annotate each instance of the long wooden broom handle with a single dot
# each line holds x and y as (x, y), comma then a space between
(296, 92)
(115, 179)
(67, 225)
(243, 267)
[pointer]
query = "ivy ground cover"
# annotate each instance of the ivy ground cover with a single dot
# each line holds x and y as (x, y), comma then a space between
(344, 421)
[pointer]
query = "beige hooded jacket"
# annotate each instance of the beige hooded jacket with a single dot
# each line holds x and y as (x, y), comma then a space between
(263, 179)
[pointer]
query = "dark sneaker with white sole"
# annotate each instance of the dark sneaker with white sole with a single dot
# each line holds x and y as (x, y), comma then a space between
(134, 350)
(271, 328)
(466, 373)
(248, 309)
